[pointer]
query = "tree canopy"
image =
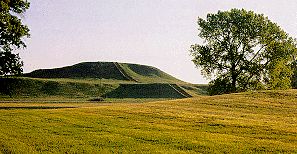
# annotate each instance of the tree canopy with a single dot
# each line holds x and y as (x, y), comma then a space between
(12, 32)
(243, 50)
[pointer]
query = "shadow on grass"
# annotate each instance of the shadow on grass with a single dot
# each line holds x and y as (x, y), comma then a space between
(34, 107)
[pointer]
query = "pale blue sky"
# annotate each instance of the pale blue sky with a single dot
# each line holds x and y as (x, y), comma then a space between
(151, 32)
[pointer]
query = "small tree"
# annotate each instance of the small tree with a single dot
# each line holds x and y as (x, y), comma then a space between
(11, 33)
(243, 50)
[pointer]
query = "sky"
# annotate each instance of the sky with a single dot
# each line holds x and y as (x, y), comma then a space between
(158, 33)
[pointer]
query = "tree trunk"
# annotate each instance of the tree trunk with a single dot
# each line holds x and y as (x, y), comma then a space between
(233, 77)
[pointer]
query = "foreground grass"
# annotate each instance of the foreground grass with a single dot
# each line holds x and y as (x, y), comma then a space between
(254, 122)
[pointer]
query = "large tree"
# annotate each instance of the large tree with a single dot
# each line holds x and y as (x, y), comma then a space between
(12, 32)
(243, 50)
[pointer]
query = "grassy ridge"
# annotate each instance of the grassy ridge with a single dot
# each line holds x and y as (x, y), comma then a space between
(28, 87)
(148, 74)
(253, 122)
(155, 90)
(67, 88)
(107, 70)
(93, 79)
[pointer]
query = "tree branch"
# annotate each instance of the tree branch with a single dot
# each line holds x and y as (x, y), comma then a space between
(257, 53)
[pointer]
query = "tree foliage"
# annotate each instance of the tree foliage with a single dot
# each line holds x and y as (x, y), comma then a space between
(243, 50)
(12, 32)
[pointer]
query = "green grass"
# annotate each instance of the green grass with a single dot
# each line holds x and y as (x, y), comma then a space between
(252, 122)
(106, 70)
(86, 80)
(42, 88)
(148, 74)
(86, 88)
(195, 89)
(155, 90)
(94, 79)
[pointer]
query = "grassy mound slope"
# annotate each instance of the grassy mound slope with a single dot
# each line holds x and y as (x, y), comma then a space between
(148, 74)
(112, 74)
(254, 122)
(155, 90)
(19, 88)
(93, 79)
(107, 70)
(28, 87)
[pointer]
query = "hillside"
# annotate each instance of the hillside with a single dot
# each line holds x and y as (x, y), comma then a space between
(95, 79)
(43, 88)
(107, 70)
(84, 89)
(251, 122)
(148, 74)
(155, 90)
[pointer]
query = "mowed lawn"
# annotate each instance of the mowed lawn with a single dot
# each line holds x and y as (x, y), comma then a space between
(253, 122)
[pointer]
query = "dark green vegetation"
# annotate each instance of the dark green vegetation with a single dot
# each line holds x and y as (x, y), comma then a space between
(31, 88)
(90, 80)
(244, 50)
(12, 33)
(155, 90)
(252, 122)
(107, 70)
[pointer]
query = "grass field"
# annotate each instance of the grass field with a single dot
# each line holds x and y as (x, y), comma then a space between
(252, 122)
